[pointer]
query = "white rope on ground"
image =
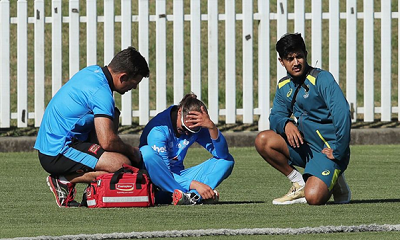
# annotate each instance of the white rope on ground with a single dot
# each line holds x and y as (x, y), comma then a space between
(221, 232)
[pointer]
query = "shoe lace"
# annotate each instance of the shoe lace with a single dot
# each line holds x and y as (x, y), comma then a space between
(71, 193)
(66, 194)
(294, 189)
(193, 198)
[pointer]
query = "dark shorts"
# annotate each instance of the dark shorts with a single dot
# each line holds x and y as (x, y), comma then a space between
(77, 157)
(317, 164)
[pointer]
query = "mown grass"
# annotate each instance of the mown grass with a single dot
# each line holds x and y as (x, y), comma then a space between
(28, 208)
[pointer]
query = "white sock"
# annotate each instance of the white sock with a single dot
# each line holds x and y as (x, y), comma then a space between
(295, 176)
(63, 180)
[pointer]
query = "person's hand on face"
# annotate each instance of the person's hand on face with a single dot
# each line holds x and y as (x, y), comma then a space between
(200, 119)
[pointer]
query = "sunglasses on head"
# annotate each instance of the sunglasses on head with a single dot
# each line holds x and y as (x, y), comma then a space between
(187, 128)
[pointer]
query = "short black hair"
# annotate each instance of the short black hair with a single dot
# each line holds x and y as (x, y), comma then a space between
(131, 62)
(289, 43)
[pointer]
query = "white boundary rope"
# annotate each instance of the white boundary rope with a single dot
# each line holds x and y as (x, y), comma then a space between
(220, 232)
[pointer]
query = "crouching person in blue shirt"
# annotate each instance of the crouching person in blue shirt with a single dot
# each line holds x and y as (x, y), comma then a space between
(164, 144)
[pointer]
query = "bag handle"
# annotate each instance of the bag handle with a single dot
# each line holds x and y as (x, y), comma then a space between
(126, 169)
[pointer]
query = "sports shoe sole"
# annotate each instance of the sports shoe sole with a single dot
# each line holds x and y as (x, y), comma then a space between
(52, 189)
(177, 197)
(340, 199)
(299, 200)
(344, 201)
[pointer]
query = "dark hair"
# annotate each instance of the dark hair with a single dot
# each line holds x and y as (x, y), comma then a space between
(131, 62)
(190, 103)
(289, 43)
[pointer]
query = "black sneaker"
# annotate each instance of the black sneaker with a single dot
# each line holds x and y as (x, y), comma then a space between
(64, 193)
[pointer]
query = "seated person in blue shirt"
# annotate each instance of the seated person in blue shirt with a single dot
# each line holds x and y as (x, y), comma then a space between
(78, 138)
(164, 143)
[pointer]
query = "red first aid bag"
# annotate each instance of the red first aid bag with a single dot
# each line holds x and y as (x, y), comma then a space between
(127, 187)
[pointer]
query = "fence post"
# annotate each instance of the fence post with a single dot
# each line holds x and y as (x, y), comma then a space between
(126, 41)
(22, 64)
(281, 29)
(109, 20)
(73, 37)
(144, 108)
(247, 41)
(195, 47)
(179, 87)
(5, 63)
(56, 46)
(230, 61)
(299, 16)
(369, 61)
(398, 67)
(386, 61)
(263, 65)
(91, 32)
(161, 55)
(334, 16)
(39, 62)
(316, 34)
(213, 100)
(351, 56)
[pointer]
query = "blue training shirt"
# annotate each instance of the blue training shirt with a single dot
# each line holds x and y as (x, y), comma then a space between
(321, 109)
(159, 135)
(71, 112)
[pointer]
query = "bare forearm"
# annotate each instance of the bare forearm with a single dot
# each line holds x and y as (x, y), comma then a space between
(117, 145)
(213, 131)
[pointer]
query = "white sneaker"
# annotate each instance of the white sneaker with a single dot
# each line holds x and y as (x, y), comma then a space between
(341, 191)
(295, 195)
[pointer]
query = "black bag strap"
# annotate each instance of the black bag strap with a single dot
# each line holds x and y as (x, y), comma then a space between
(295, 95)
(117, 175)
(311, 71)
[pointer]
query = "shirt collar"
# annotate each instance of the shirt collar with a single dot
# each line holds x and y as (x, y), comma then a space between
(301, 79)
(109, 77)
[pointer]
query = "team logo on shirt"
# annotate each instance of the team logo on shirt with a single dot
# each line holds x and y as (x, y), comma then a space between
(94, 148)
(159, 149)
(306, 92)
(289, 93)
(326, 173)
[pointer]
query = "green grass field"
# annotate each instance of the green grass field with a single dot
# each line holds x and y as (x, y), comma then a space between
(28, 208)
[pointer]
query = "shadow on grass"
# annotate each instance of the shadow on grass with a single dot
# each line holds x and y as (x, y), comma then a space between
(370, 201)
(239, 202)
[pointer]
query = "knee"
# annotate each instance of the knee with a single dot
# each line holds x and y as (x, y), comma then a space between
(263, 139)
(316, 194)
(148, 154)
(315, 200)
